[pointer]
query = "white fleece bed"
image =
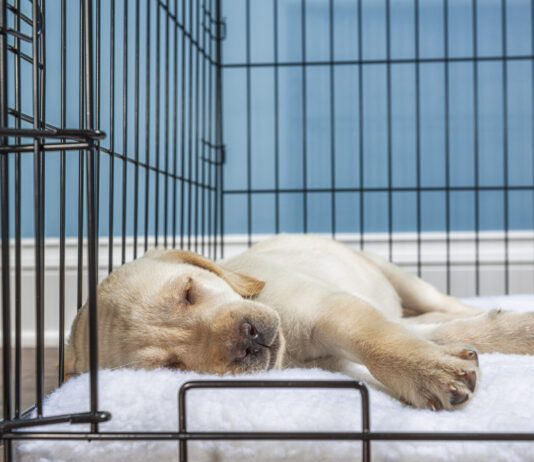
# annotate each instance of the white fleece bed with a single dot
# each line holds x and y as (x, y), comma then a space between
(147, 401)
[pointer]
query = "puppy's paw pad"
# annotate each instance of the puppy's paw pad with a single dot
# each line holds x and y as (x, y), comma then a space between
(457, 395)
(469, 354)
(450, 381)
(465, 352)
(469, 378)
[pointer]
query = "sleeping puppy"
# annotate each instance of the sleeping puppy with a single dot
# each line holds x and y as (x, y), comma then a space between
(291, 301)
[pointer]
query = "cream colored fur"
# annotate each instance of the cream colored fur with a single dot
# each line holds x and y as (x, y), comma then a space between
(316, 302)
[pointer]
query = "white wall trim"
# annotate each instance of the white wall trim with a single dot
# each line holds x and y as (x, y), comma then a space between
(462, 248)
(433, 248)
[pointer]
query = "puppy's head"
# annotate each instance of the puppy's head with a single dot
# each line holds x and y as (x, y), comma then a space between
(177, 309)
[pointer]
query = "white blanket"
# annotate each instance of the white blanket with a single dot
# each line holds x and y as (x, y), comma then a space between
(147, 401)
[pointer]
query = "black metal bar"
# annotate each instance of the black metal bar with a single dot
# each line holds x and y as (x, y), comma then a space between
(361, 128)
(190, 127)
(216, 150)
(29, 118)
(124, 128)
(208, 151)
(62, 197)
(248, 384)
(270, 436)
(136, 127)
(91, 215)
(28, 148)
(389, 122)
(504, 44)
(76, 134)
(175, 128)
(418, 135)
(196, 84)
(276, 121)
(42, 68)
(167, 97)
(39, 218)
(532, 74)
(147, 122)
(332, 92)
(202, 150)
(157, 126)
(4, 191)
(83, 418)
(219, 125)
(518, 187)
(366, 421)
(42, 111)
(474, 25)
(447, 148)
(249, 123)
(182, 132)
(111, 215)
(18, 229)
(40, 58)
(81, 167)
(97, 115)
(380, 62)
(304, 111)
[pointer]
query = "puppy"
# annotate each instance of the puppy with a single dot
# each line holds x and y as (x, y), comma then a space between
(295, 300)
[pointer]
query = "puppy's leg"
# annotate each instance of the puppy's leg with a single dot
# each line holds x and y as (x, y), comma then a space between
(417, 296)
(414, 369)
(435, 317)
(493, 331)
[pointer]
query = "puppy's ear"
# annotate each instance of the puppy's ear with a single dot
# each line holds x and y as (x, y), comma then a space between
(244, 285)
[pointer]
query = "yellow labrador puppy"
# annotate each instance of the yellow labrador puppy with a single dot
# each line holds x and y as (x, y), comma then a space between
(296, 300)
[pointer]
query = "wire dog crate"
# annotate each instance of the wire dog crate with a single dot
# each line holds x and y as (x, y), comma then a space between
(127, 150)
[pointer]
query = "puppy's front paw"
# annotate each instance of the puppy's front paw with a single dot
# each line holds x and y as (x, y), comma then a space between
(427, 375)
(444, 378)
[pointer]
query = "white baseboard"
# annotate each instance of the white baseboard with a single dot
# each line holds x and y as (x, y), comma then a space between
(462, 257)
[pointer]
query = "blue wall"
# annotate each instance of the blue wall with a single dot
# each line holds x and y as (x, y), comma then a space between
(375, 141)
(348, 155)
(122, 145)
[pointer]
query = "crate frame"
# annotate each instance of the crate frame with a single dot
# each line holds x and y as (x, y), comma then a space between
(85, 141)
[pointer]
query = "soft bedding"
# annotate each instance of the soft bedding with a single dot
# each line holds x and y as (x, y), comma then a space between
(147, 401)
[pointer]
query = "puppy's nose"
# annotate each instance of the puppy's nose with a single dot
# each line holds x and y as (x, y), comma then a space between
(249, 331)
(248, 343)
